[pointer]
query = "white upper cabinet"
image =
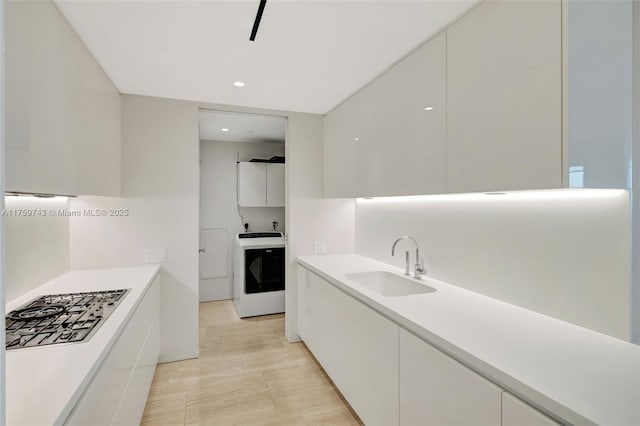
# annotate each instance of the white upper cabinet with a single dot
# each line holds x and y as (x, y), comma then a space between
(389, 138)
(252, 184)
(275, 185)
(519, 94)
(62, 112)
(260, 184)
(598, 103)
(504, 103)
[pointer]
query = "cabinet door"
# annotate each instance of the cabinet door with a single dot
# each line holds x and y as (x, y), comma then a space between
(252, 184)
(275, 185)
(389, 138)
(342, 128)
(437, 390)
(504, 97)
(518, 413)
(356, 346)
(63, 117)
(402, 149)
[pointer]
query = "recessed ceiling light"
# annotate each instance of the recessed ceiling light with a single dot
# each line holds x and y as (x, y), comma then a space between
(429, 108)
(224, 129)
(356, 139)
(238, 83)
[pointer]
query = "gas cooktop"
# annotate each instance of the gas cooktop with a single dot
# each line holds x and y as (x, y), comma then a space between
(60, 318)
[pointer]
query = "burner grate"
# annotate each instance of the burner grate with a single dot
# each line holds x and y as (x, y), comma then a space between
(60, 318)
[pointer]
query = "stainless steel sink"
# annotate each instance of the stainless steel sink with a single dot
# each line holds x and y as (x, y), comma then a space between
(387, 284)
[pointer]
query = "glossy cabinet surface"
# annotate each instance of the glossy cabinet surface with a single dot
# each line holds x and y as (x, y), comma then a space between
(389, 138)
(118, 391)
(63, 120)
(598, 84)
(504, 98)
(517, 413)
(437, 390)
(356, 346)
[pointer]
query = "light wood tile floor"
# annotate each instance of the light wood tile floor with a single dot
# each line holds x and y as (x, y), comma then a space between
(247, 374)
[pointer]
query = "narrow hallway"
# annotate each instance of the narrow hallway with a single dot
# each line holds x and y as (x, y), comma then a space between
(247, 374)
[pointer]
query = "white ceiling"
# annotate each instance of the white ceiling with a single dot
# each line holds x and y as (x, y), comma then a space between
(309, 55)
(241, 127)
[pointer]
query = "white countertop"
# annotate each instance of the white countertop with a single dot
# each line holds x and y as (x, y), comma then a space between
(570, 372)
(43, 384)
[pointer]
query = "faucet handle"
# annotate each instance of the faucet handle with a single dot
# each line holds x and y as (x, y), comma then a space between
(420, 270)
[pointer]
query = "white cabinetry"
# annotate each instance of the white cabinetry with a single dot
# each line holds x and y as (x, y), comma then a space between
(518, 413)
(260, 184)
(504, 100)
(275, 185)
(62, 112)
(356, 346)
(437, 390)
(389, 138)
(118, 391)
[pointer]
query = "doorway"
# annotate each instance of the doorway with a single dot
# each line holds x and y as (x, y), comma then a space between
(230, 141)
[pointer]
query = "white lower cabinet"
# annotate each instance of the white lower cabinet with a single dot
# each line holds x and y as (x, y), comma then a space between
(391, 377)
(356, 346)
(437, 390)
(518, 413)
(118, 391)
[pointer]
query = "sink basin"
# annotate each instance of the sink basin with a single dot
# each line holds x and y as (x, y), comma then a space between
(387, 284)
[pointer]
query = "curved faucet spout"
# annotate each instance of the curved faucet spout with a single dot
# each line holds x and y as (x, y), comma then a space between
(404, 237)
(419, 266)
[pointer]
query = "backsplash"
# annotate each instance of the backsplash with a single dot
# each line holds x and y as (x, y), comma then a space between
(564, 253)
(36, 242)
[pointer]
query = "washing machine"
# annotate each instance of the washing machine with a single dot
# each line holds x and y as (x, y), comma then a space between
(258, 273)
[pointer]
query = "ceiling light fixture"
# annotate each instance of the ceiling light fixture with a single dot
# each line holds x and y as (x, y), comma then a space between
(429, 108)
(256, 23)
(356, 139)
(224, 129)
(238, 83)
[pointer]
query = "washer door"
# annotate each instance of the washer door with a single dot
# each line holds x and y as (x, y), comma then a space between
(264, 270)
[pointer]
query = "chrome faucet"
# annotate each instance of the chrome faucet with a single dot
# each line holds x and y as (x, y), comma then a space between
(419, 265)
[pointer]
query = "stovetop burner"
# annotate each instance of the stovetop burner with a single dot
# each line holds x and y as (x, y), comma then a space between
(35, 312)
(60, 318)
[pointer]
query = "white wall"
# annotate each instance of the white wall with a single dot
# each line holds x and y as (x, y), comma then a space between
(310, 217)
(36, 247)
(160, 188)
(218, 203)
(160, 182)
(564, 254)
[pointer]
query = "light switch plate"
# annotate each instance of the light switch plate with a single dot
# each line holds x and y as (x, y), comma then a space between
(155, 255)
(319, 247)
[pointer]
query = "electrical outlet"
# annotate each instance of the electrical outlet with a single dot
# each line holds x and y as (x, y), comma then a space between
(319, 247)
(155, 255)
